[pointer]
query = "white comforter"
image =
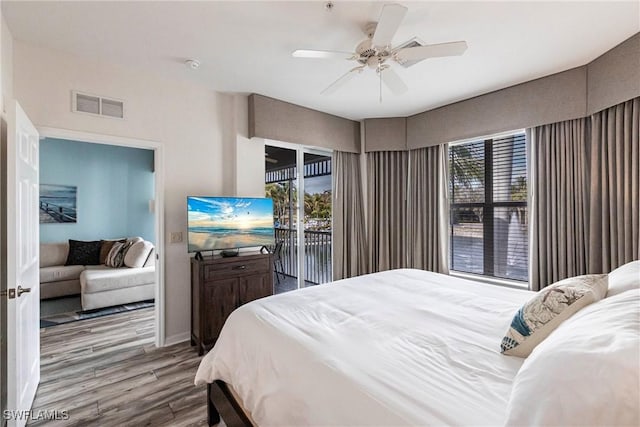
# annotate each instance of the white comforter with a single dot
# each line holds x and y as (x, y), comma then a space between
(402, 347)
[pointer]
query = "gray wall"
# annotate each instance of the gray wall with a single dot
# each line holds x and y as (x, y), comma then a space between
(610, 79)
(386, 134)
(274, 119)
(615, 76)
(554, 98)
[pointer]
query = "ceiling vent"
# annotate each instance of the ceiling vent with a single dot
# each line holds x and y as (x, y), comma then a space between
(414, 42)
(97, 105)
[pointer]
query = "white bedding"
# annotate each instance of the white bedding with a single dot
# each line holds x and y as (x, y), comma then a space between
(402, 347)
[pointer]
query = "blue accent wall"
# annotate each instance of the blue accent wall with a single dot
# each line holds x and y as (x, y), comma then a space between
(114, 184)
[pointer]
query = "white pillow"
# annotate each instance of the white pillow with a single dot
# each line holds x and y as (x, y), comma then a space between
(548, 308)
(624, 278)
(586, 371)
(137, 254)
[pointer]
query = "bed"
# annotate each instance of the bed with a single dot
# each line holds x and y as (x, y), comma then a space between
(396, 348)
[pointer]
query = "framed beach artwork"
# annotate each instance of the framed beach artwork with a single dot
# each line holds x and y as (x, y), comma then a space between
(58, 204)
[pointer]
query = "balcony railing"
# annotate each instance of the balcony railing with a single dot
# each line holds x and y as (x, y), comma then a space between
(317, 259)
(320, 167)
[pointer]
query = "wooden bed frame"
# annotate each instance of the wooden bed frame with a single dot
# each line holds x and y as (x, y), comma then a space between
(222, 403)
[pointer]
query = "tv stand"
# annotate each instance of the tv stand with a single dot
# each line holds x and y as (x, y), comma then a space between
(229, 254)
(219, 286)
(224, 254)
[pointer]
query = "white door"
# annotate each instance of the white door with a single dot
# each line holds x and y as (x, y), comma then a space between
(23, 281)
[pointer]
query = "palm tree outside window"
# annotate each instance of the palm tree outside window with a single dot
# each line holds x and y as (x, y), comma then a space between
(488, 207)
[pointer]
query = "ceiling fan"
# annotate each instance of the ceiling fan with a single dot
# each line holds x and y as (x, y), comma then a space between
(377, 53)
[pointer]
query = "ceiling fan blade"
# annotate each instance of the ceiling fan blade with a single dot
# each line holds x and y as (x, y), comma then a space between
(389, 22)
(393, 81)
(321, 54)
(341, 81)
(432, 51)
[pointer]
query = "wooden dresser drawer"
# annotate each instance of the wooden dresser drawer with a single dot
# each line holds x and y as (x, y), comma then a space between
(219, 286)
(237, 268)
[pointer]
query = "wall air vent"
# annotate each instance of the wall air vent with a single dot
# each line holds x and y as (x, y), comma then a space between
(414, 42)
(97, 105)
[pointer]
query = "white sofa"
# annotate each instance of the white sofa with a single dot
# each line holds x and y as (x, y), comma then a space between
(98, 285)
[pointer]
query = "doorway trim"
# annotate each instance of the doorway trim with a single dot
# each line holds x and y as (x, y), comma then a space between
(158, 160)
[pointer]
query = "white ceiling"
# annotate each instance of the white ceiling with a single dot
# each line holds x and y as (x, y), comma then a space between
(245, 46)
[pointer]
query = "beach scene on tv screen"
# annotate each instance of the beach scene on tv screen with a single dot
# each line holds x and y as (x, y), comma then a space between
(229, 222)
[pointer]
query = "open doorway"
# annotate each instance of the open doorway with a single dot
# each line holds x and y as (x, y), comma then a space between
(148, 155)
(121, 317)
(97, 234)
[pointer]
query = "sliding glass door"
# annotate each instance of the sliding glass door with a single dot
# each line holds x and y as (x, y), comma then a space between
(317, 217)
(299, 182)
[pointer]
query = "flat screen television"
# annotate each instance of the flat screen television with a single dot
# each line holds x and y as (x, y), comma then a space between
(224, 223)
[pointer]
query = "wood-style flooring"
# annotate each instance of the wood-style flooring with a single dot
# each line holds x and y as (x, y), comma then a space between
(107, 372)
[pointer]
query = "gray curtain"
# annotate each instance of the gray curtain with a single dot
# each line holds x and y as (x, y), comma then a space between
(559, 176)
(387, 209)
(428, 209)
(349, 233)
(615, 187)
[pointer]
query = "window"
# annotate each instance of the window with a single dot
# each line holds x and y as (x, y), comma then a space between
(489, 218)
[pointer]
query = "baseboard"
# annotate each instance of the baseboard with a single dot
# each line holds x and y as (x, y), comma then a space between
(177, 338)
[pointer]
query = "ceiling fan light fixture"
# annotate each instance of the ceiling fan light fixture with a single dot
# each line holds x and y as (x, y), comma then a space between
(374, 62)
(376, 50)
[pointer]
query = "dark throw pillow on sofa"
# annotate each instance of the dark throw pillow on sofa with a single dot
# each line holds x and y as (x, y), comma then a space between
(83, 253)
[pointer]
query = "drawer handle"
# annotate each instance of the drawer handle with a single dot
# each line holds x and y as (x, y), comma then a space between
(240, 267)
